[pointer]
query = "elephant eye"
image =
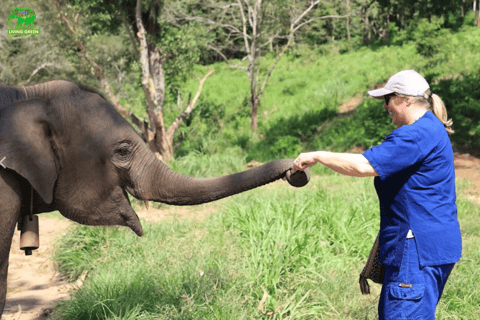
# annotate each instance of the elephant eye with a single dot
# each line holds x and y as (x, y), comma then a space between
(123, 150)
(122, 154)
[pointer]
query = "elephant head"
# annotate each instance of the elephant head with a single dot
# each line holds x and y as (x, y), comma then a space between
(81, 158)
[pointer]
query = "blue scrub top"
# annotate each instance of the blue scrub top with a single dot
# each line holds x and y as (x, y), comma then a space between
(416, 190)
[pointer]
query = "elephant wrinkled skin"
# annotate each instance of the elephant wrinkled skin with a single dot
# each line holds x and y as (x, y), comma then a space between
(81, 158)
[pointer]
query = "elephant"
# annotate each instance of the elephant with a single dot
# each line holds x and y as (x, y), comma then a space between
(23, 15)
(64, 147)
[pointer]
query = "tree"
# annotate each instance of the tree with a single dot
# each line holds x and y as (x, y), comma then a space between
(152, 59)
(255, 25)
(476, 12)
(26, 59)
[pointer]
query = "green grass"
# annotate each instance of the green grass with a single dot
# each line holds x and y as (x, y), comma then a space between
(305, 247)
(299, 109)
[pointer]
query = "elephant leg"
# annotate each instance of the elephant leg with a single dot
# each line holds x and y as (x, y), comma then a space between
(10, 199)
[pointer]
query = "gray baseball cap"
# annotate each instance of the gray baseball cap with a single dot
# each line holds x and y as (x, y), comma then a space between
(408, 82)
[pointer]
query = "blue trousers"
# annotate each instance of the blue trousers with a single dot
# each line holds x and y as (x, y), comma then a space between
(411, 292)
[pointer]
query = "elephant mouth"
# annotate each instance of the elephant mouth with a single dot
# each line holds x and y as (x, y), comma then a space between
(132, 221)
(130, 217)
(117, 211)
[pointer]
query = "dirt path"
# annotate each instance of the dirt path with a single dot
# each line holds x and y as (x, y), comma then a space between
(34, 287)
(468, 168)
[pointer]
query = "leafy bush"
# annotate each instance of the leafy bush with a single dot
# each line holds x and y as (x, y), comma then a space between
(429, 36)
(367, 127)
(286, 136)
(462, 99)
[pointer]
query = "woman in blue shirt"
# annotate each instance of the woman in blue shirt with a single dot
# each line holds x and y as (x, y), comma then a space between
(420, 238)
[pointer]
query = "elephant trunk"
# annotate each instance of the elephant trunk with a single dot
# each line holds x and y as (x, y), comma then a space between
(167, 186)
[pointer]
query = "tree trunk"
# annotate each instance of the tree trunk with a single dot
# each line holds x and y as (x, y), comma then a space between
(477, 14)
(348, 20)
(164, 147)
(167, 147)
(253, 94)
(366, 35)
(252, 33)
(348, 28)
(255, 101)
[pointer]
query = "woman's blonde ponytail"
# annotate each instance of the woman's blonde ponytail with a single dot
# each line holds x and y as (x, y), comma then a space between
(438, 108)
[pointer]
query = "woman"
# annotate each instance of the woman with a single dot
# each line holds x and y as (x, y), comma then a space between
(420, 238)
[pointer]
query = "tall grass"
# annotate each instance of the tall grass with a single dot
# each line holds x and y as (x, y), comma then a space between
(304, 247)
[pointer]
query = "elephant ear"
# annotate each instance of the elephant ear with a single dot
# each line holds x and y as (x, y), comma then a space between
(27, 145)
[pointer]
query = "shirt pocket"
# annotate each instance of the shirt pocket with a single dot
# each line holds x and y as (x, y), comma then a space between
(406, 301)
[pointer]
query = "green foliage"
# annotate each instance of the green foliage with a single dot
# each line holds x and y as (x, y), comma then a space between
(284, 137)
(367, 127)
(299, 107)
(181, 48)
(303, 95)
(461, 96)
(429, 36)
(469, 19)
(35, 58)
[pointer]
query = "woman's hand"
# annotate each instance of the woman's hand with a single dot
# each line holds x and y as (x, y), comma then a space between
(304, 160)
(355, 165)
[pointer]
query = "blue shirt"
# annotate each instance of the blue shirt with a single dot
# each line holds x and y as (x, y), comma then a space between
(416, 190)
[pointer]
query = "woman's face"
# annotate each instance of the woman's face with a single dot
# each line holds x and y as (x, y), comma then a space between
(396, 107)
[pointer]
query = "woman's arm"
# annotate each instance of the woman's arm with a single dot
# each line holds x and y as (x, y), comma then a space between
(355, 165)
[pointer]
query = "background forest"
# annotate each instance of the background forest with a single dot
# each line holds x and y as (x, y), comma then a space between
(281, 68)
(243, 80)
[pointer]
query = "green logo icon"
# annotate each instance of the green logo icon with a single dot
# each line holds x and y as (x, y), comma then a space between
(25, 18)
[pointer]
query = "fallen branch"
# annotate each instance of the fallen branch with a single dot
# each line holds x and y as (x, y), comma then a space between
(42, 66)
(18, 314)
(261, 306)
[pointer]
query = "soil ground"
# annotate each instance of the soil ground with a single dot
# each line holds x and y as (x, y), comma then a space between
(34, 287)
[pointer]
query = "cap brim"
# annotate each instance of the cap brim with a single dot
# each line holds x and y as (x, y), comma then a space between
(379, 93)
